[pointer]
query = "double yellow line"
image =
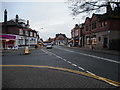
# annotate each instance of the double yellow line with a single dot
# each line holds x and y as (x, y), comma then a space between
(69, 70)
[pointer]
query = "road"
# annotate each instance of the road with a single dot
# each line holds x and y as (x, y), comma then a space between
(94, 63)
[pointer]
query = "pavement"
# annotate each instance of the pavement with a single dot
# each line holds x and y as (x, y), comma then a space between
(36, 77)
(107, 51)
(20, 50)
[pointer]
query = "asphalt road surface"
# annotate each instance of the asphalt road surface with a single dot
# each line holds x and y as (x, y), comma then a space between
(94, 63)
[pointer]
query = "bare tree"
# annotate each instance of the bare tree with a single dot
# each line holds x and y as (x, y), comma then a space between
(88, 6)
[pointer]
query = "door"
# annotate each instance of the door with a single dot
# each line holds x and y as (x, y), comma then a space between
(105, 42)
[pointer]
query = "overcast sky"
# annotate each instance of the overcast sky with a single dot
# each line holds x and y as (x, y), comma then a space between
(49, 17)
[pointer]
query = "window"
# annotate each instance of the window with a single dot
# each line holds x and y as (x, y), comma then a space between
(31, 34)
(94, 41)
(87, 40)
(26, 33)
(73, 33)
(99, 39)
(103, 24)
(76, 32)
(87, 27)
(20, 32)
(34, 34)
(94, 25)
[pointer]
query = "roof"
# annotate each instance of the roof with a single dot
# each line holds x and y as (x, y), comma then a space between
(19, 24)
(57, 35)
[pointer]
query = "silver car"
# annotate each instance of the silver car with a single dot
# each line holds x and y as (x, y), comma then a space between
(49, 46)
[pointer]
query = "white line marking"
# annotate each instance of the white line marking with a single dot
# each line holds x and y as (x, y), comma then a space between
(64, 59)
(90, 73)
(68, 61)
(81, 68)
(61, 58)
(106, 59)
(74, 65)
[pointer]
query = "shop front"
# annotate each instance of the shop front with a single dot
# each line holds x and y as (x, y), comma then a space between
(8, 41)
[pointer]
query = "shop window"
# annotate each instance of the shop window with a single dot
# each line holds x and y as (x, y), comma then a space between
(87, 40)
(94, 40)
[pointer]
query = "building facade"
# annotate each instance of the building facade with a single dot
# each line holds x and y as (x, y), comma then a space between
(102, 30)
(16, 33)
(76, 35)
(60, 39)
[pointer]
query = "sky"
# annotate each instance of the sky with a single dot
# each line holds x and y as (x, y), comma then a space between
(48, 17)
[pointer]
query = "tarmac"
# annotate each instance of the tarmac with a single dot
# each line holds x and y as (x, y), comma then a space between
(42, 77)
(21, 76)
(107, 51)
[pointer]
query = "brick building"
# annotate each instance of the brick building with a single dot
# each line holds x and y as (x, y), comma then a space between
(102, 30)
(75, 34)
(17, 33)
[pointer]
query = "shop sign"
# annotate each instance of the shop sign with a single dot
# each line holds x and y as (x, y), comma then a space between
(8, 36)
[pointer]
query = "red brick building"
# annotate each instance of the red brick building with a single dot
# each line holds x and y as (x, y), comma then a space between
(17, 33)
(102, 30)
(75, 34)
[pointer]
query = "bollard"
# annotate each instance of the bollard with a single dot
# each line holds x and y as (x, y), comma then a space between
(26, 50)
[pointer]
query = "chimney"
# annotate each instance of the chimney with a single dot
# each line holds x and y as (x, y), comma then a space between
(5, 16)
(17, 17)
(27, 22)
(76, 25)
(109, 9)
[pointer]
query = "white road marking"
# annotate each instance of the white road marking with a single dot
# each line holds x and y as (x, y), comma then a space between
(106, 59)
(90, 73)
(68, 61)
(74, 65)
(81, 68)
(64, 59)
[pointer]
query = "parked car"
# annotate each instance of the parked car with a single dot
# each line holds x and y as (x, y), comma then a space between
(49, 46)
(44, 44)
